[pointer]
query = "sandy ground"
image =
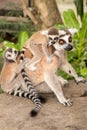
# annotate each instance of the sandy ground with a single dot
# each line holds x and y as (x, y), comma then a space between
(14, 111)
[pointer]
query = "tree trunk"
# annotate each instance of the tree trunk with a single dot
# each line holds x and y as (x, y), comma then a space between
(48, 12)
(27, 11)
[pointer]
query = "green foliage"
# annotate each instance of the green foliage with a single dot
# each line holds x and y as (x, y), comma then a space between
(78, 58)
(14, 28)
(22, 38)
(1, 51)
(70, 19)
(16, 13)
(84, 72)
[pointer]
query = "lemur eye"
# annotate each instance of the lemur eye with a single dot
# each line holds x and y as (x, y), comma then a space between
(50, 38)
(15, 52)
(61, 42)
(70, 39)
(56, 38)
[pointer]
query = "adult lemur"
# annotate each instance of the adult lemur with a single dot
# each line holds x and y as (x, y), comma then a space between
(15, 81)
(47, 72)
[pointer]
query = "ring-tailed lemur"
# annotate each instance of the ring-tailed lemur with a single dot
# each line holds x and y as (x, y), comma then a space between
(11, 56)
(47, 72)
(35, 41)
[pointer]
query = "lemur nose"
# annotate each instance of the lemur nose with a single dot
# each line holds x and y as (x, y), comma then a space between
(69, 47)
(53, 42)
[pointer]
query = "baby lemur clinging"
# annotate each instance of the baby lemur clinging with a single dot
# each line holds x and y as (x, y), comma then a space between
(45, 38)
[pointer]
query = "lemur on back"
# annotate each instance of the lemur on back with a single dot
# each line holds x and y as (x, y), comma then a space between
(41, 38)
(13, 84)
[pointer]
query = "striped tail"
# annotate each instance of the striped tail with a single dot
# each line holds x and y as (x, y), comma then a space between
(32, 94)
(22, 93)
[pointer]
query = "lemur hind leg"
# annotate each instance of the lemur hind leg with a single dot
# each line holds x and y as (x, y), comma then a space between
(55, 86)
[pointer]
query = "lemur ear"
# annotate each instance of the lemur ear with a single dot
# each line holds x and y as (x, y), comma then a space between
(73, 30)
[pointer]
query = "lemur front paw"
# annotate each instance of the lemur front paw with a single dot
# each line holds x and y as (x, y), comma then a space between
(49, 59)
(80, 79)
(67, 102)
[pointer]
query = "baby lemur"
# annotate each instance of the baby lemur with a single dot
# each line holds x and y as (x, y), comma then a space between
(43, 38)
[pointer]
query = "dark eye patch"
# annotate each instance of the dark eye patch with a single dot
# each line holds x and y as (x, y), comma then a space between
(61, 41)
(70, 39)
(50, 38)
(55, 38)
(15, 52)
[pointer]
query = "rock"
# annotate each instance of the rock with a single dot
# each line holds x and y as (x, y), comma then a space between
(14, 111)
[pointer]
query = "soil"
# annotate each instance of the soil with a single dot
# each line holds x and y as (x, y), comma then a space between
(14, 111)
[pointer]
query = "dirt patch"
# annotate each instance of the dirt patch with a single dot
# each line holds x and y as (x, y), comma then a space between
(14, 112)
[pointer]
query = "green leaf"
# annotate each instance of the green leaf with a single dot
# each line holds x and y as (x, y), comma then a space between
(22, 38)
(1, 53)
(70, 19)
(10, 45)
(83, 31)
(84, 72)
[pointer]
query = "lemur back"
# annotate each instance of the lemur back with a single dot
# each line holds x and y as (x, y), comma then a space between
(11, 55)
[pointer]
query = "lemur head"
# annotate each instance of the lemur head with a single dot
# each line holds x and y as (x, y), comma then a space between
(11, 54)
(65, 40)
(52, 36)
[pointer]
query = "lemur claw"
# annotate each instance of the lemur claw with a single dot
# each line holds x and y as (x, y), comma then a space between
(67, 102)
(80, 79)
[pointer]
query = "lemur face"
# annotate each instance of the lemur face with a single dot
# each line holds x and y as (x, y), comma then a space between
(11, 54)
(64, 42)
(52, 39)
